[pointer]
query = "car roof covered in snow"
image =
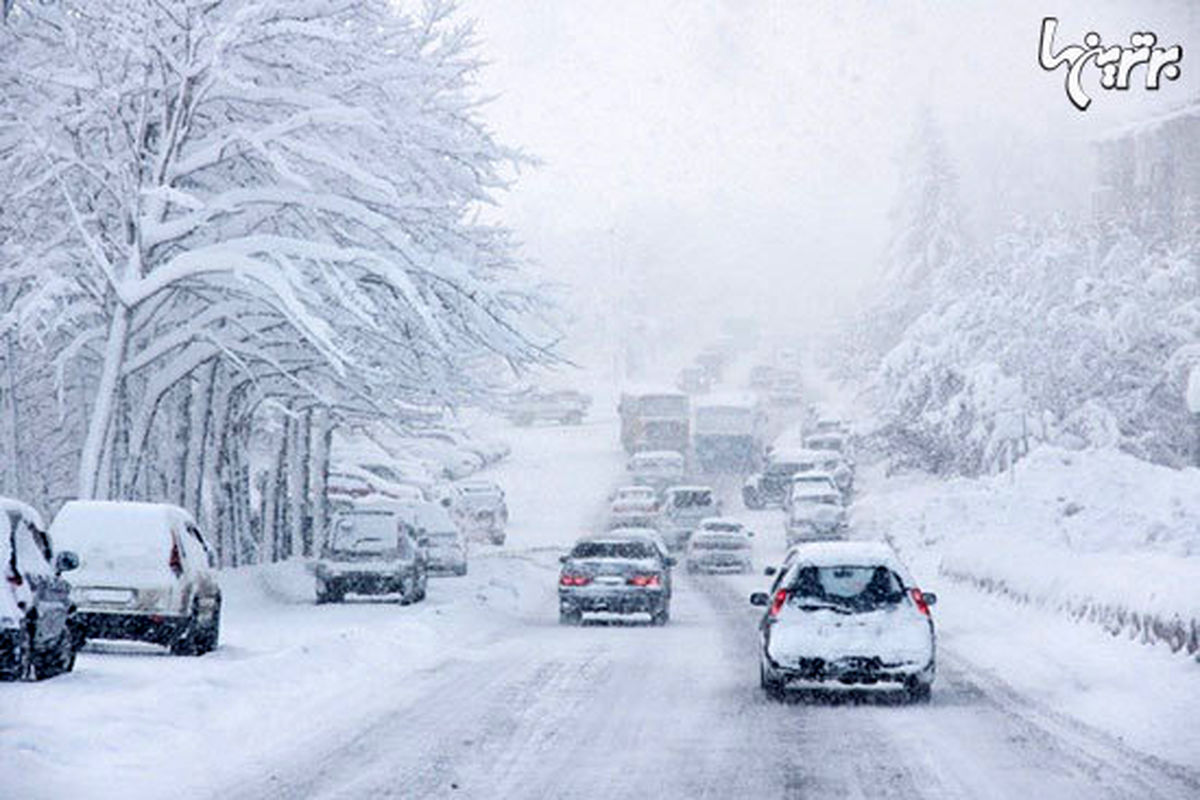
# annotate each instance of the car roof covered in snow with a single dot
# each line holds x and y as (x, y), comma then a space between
(842, 554)
(114, 521)
(8, 504)
(727, 399)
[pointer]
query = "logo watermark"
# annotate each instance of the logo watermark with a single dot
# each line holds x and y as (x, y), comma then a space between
(1116, 63)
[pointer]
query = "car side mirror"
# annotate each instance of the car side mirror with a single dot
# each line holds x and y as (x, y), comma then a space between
(769, 571)
(65, 561)
(562, 559)
(930, 598)
(760, 599)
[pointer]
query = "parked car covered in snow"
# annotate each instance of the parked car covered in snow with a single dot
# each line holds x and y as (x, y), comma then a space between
(847, 615)
(566, 406)
(446, 545)
(37, 618)
(657, 468)
(683, 507)
(816, 513)
(480, 509)
(371, 549)
(146, 573)
(617, 573)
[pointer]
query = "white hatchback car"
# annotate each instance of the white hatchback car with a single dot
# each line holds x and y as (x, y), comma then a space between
(145, 573)
(848, 615)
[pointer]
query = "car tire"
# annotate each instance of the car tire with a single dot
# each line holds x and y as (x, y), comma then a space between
(22, 667)
(186, 643)
(422, 587)
(772, 686)
(661, 616)
(211, 635)
(751, 500)
(570, 616)
(919, 692)
(59, 659)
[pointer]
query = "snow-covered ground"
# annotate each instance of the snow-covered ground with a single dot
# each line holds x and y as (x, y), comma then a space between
(480, 693)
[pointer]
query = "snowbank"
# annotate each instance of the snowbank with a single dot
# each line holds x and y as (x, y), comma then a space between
(1097, 535)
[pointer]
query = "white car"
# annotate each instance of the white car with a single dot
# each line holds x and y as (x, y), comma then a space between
(683, 507)
(816, 514)
(480, 508)
(145, 573)
(657, 468)
(634, 499)
(847, 615)
(714, 550)
(806, 481)
(445, 544)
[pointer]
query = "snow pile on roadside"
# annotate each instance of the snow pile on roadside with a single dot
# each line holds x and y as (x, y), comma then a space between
(1098, 535)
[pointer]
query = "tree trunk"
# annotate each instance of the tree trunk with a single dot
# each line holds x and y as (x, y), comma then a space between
(319, 478)
(100, 421)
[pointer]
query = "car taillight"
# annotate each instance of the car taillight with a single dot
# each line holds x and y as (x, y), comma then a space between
(175, 561)
(645, 580)
(919, 600)
(573, 580)
(781, 597)
(15, 578)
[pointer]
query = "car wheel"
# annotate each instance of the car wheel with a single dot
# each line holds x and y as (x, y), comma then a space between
(570, 616)
(751, 500)
(772, 686)
(185, 643)
(662, 616)
(59, 659)
(919, 692)
(211, 636)
(22, 665)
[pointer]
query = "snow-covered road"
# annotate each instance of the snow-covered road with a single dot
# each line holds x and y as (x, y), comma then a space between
(480, 693)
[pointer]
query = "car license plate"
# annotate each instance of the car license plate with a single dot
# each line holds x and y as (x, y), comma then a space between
(610, 580)
(110, 596)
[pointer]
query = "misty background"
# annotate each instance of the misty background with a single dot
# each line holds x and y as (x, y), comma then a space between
(744, 157)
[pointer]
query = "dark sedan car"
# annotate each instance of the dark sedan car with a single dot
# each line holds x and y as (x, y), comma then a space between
(615, 574)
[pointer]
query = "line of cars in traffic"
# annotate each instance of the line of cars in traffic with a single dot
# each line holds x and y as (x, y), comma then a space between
(145, 571)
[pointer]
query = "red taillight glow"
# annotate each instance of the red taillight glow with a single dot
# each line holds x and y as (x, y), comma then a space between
(645, 580)
(175, 561)
(567, 579)
(781, 597)
(919, 600)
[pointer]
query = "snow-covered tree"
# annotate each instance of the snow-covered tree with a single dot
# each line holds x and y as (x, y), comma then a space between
(218, 208)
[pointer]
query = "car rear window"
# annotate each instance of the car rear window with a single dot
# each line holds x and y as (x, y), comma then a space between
(855, 587)
(696, 499)
(636, 550)
(720, 543)
(364, 533)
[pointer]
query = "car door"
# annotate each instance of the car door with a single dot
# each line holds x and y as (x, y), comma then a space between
(51, 594)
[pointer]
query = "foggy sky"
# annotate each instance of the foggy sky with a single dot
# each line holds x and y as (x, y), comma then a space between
(744, 153)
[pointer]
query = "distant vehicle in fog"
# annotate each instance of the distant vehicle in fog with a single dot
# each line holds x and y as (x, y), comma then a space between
(614, 573)
(445, 544)
(693, 380)
(770, 487)
(682, 509)
(371, 550)
(628, 499)
(712, 361)
(657, 468)
(566, 406)
(786, 390)
(846, 615)
(727, 434)
(37, 617)
(480, 508)
(807, 481)
(145, 573)
(816, 513)
(714, 550)
(654, 419)
(762, 377)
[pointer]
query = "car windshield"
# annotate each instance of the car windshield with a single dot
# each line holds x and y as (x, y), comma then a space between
(725, 527)
(627, 550)
(692, 498)
(783, 468)
(364, 533)
(442, 538)
(855, 587)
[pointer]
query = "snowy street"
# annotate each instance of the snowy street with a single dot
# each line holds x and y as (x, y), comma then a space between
(480, 692)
